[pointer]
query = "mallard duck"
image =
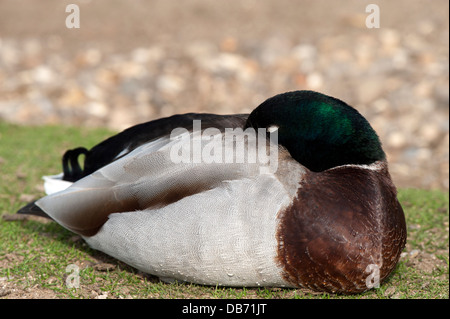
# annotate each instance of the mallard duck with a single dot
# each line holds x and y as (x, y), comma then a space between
(325, 217)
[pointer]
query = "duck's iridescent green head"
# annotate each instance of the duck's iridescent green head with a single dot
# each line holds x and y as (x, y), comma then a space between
(319, 131)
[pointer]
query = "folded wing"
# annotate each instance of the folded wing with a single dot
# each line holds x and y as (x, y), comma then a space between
(145, 179)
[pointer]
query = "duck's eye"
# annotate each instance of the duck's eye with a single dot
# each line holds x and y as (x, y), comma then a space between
(272, 128)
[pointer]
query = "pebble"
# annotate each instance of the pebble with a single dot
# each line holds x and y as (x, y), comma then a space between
(414, 253)
(104, 267)
(97, 109)
(4, 292)
(389, 291)
(398, 80)
(314, 81)
(43, 75)
(170, 84)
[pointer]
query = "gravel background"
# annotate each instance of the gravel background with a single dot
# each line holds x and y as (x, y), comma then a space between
(133, 61)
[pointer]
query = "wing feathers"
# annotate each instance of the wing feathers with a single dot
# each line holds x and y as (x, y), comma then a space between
(144, 179)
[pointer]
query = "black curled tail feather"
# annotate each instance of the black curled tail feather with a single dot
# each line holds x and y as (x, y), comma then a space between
(71, 166)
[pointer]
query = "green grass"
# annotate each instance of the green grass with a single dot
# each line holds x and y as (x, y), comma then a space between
(34, 253)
